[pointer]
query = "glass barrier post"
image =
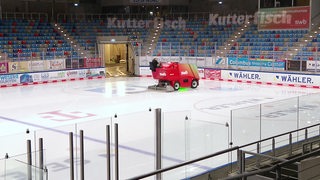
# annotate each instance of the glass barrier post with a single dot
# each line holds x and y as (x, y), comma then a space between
(116, 151)
(81, 156)
(290, 144)
(71, 156)
(158, 141)
(108, 151)
(29, 158)
(41, 158)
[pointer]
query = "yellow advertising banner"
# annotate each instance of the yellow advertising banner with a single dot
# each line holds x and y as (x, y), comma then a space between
(17, 67)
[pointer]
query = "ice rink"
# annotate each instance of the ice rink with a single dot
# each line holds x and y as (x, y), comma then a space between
(195, 122)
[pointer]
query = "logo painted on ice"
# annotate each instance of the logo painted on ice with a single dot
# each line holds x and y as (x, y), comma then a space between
(288, 111)
(65, 116)
(294, 79)
(243, 75)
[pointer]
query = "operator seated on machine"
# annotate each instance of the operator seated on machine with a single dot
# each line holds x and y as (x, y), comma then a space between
(154, 64)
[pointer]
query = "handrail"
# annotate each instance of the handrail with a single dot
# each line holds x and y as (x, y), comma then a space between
(227, 151)
(31, 15)
(277, 166)
(184, 163)
(266, 156)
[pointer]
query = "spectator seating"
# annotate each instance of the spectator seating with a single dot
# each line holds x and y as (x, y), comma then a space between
(86, 31)
(265, 44)
(197, 39)
(32, 39)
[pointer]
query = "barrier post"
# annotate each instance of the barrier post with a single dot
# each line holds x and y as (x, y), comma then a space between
(158, 137)
(81, 155)
(29, 158)
(71, 156)
(108, 152)
(41, 158)
(116, 151)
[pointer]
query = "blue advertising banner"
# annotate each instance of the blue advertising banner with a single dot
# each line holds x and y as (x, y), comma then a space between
(255, 63)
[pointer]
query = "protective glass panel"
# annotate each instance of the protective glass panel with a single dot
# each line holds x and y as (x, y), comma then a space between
(278, 117)
(205, 138)
(94, 140)
(12, 168)
(245, 125)
(136, 143)
(20, 144)
(175, 146)
(309, 113)
(57, 146)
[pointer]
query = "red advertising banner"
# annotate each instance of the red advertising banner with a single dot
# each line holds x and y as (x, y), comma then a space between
(284, 18)
(212, 74)
(92, 62)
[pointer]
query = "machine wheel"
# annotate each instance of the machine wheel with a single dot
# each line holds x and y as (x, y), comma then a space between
(194, 83)
(176, 86)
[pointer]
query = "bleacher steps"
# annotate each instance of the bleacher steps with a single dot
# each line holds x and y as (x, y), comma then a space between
(66, 35)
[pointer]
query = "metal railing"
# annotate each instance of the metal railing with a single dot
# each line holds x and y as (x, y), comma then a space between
(241, 168)
(276, 168)
(184, 164)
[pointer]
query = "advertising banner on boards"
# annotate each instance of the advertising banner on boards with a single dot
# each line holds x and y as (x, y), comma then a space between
(3, 67)
(17, 67)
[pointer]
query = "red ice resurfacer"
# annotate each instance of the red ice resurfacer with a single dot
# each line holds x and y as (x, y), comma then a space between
(173, 75)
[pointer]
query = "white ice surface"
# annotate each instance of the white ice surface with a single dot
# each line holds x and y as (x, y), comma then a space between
(51, 111)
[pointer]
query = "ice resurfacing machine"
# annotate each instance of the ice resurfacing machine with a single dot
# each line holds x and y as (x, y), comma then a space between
(173, 75)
